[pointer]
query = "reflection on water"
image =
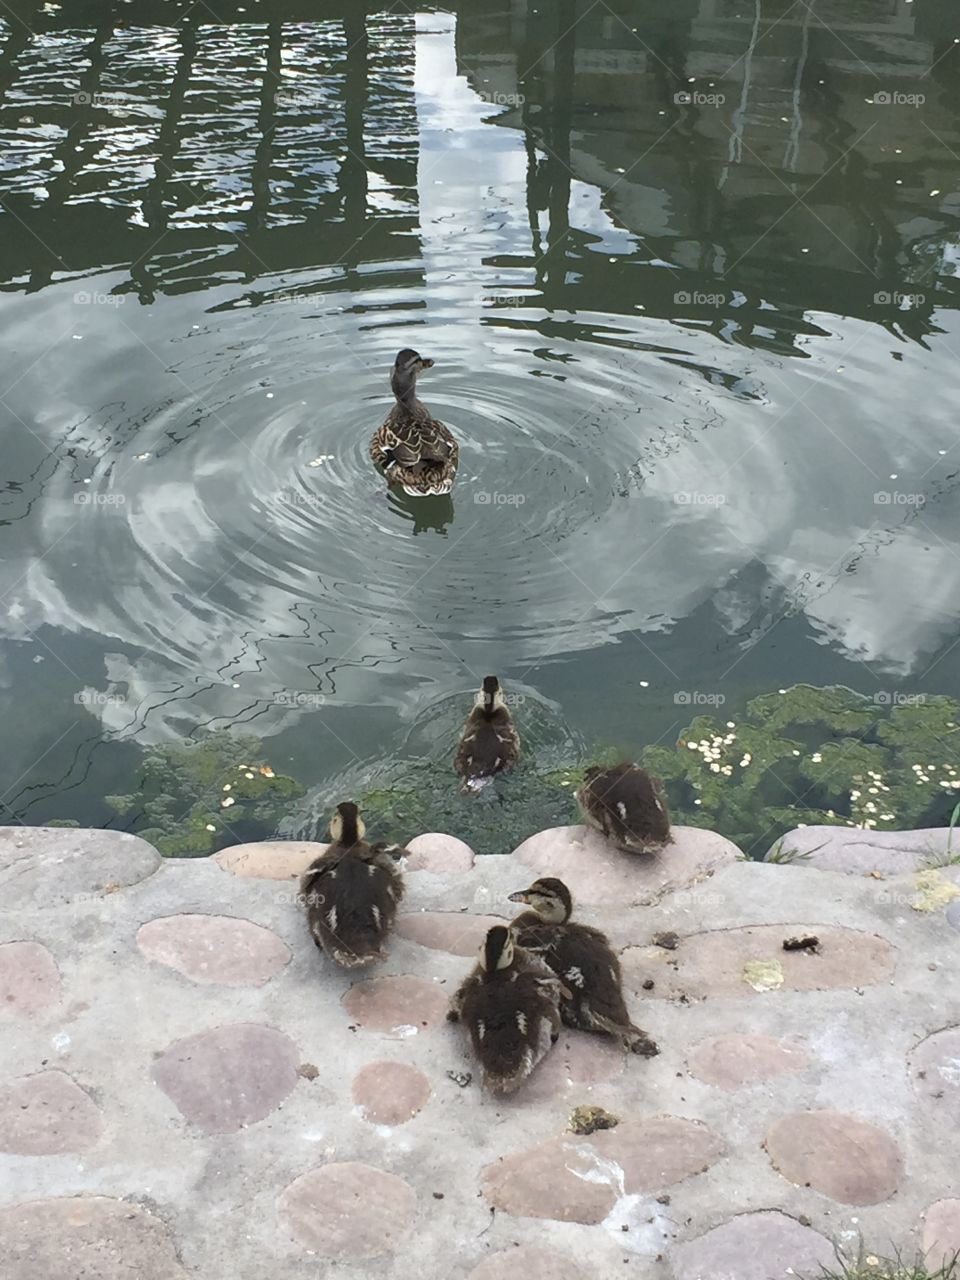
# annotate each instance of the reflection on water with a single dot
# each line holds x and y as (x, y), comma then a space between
(690, 282)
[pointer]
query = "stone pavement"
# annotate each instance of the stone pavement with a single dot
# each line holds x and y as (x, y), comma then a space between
(187, 1088)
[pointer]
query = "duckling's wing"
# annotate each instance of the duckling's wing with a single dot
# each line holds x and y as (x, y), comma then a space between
(354, 908)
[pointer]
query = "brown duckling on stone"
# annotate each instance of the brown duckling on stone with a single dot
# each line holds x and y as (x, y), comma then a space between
(509, 1005)
(490, 743)
(583, 960)
(626, 805)
(351, 892)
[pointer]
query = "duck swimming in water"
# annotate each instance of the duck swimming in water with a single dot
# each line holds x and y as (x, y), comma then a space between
(490, 743)
(415, 452)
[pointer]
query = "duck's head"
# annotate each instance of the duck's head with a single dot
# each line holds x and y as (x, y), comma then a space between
(346, 825)
(548, 898)
(408, 364)
(497, 950)
(490, 698)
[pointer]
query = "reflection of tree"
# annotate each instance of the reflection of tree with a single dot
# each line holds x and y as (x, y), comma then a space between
(787, 194)
(150, 165)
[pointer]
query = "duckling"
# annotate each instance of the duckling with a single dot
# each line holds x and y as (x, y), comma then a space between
(490, 743)
(351, 892)
(584, 961)
(413, 450)
(626, 805)
(509, 1005)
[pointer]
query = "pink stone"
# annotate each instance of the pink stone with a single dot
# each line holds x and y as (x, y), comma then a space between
(225, 1079)
(29, 980)
(713, 964)
(43, 867)
(88, 1236)
(935, 1068)
(348, 1211)
(270, 859)
(579, 1179)
(754, 1246)
(941, 1233)
(528, 1262)
(442, 854)
(390, 1092)
(839, 1155)
(461, 935)
(578, 1061)
(857, 852)
(402, 1003)
(214, 949)
(732, 1061)
(598, 873)
(47, 1114)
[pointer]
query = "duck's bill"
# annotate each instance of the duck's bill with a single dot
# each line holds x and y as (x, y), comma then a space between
(522, 896)
(426, 363)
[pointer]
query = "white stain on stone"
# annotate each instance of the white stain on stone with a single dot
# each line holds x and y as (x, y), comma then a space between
(61, 1042)
(648, 1228)
(950, 1070)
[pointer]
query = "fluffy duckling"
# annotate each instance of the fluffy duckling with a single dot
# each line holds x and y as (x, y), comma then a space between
(509, 1005)
(351, 892)
(413, 450)
(490, 743)
(583, 960)
(626, 805)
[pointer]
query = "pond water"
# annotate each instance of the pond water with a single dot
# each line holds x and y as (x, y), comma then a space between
(688, 272)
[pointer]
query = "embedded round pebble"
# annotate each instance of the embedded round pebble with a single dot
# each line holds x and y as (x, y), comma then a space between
(214, 949)
(442, 854)
(29, 980)
(92, 1237)
(580, 1179)
(460, 934)
(935, 1067)
(941, 1233)
(403, 1005)
(724, 962)
(348, 1211)
(270, 859)
(40, 867)
(597, 872)
(754, 1246)
(732, 1061)
(47, 1114)
(227, 1078)
(531, 1262)
(390, 1093)
(837, 1154)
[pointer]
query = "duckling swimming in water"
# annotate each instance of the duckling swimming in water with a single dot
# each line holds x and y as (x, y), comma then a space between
(583, 960)
(490, 743)
(351, 892)
(413, 450)
(626, 805)
(509, 1005)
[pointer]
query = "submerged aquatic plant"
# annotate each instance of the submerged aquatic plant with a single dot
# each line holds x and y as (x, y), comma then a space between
(197, 797)
(809, 756)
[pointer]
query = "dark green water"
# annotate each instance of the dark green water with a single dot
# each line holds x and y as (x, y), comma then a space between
(689, 274)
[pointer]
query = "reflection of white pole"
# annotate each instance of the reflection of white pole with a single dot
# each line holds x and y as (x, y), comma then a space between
(735, 152)
(792, 153)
